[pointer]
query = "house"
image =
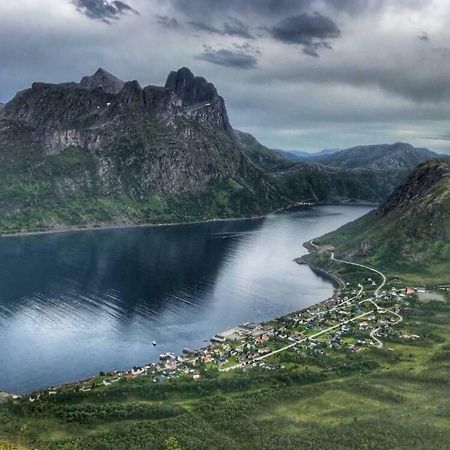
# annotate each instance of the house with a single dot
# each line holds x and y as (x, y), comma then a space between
(363, 325)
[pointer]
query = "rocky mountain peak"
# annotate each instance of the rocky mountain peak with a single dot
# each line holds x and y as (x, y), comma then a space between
(131, 92)
(102, 78)
(189, 88)
(418, 184)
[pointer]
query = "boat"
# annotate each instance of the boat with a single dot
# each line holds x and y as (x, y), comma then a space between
(154, 343)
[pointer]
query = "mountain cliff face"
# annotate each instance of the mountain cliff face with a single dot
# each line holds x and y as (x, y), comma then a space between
(409, 234)
(178, 137)
(172, 149)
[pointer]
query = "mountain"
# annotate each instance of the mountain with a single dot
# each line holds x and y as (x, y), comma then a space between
(306, 181)
(297, 155)
(107, 81)
(408, 235)
(398, 156)
(262, 156)
(104, 151)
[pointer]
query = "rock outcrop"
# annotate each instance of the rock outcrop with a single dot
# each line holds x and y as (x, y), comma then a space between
(102, 79)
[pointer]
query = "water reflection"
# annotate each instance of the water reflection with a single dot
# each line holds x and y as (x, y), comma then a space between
(74, 304)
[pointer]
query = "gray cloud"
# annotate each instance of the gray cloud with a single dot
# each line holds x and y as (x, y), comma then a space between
(309, 30)
(380, 84)
(423, 36)
(234, 27)
(275, 9)
(440, 137)
(168, 22)
(237, 28)
(202, 26)
(238, 58)
(104, 10)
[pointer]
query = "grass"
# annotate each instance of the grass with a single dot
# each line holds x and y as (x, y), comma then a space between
(376, 399)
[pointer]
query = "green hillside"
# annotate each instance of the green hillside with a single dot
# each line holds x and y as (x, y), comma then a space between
(409, 234)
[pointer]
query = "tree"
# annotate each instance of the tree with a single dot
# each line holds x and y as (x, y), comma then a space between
(172, 444)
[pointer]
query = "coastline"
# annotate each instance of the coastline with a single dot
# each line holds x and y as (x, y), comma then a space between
(130, 225)
(337, 283)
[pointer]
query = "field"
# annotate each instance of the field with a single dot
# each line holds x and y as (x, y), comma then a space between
(395, 397)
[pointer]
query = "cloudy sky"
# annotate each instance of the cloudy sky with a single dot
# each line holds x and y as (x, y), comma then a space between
(298, 74)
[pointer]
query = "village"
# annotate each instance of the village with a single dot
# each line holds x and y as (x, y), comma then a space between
(355, 318)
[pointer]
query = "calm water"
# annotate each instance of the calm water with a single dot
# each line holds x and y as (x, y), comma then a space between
(73, 304)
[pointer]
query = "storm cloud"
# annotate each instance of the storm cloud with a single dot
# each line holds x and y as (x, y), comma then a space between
(382, 75)
(103, 10)
(312, 31)
(234, 27)
(231, 58)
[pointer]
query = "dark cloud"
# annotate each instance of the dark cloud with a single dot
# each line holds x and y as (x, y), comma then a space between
(423, 36)
(309, 30)
(239, 58)
(237, 28)
(275, 9)
(234, 27)
(382, 82)
(202, 8)
(202, 26)
(168, 22)
(104, 10)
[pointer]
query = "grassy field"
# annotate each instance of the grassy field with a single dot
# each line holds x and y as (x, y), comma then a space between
(395, 397)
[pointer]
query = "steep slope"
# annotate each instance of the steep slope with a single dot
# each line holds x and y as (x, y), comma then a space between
(305, 181)
(88, 153)
(399, 156)
(262, 156)
(409, 234)
(311, 182)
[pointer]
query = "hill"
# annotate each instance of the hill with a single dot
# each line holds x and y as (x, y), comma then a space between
(408, 235)
(400, 156)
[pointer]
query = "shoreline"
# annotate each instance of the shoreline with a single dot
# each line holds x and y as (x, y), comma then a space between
(336, 282)
(130, 225)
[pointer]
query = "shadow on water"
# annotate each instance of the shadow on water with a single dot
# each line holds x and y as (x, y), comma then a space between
(73, 304)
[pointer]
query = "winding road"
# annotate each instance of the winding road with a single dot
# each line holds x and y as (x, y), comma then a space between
(373, 333)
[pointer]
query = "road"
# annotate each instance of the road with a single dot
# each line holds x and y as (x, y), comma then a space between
(287, 347)
(373, 333)
(383, 277)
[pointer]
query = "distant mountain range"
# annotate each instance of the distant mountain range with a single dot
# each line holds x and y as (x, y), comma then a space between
(408, 235)
(297, 155)
(401, 156)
